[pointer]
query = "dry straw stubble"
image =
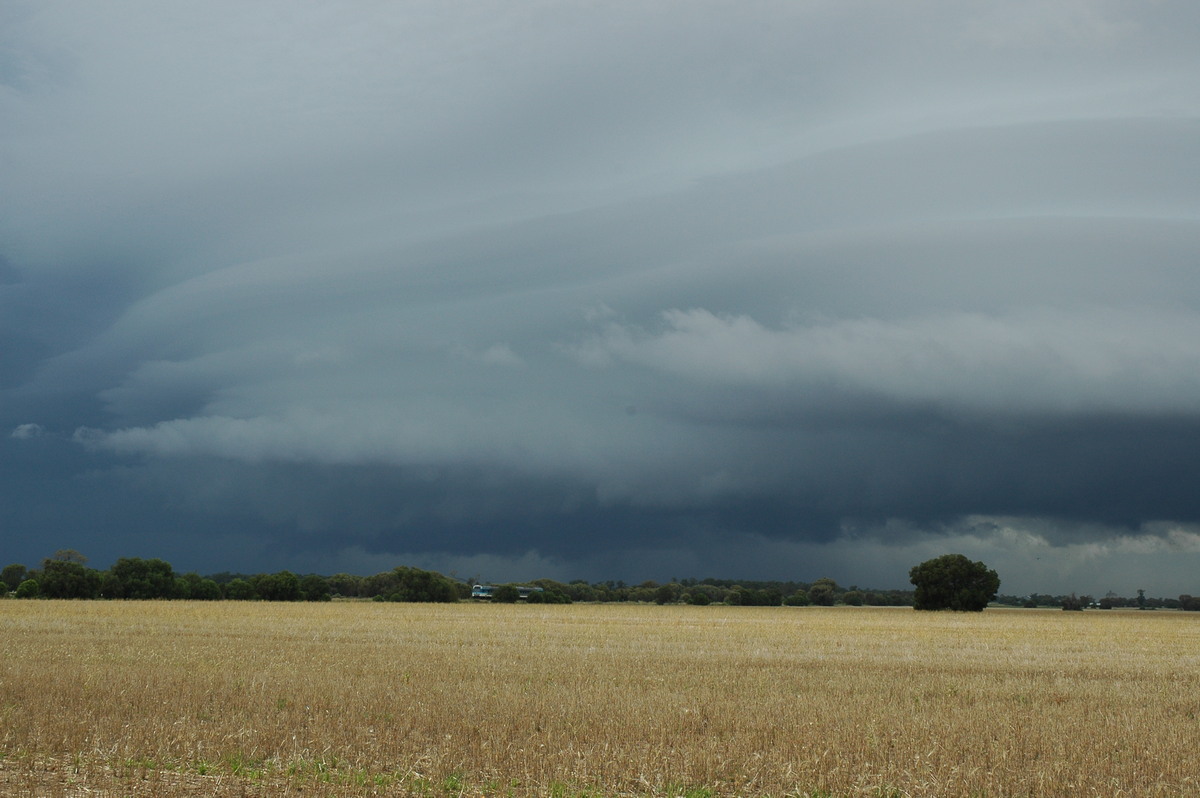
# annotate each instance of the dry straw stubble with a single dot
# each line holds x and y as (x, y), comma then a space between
(357, 698)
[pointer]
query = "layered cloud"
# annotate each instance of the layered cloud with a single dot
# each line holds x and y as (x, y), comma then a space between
(1037, 360)
(780, 286)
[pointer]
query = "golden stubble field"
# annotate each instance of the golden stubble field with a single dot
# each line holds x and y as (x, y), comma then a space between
(356, 698)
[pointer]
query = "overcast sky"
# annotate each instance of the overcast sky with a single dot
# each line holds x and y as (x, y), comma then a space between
(622, 290)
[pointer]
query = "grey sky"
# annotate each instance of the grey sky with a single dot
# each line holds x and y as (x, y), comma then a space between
(620, 290)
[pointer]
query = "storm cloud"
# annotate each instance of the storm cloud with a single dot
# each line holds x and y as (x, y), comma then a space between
(760, 290)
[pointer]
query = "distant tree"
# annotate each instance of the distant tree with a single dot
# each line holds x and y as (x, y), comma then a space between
(345, 585)
(315, 588)
(29, 589)
(239, 589)
(750, 597)
(699, 598)
(197, 588)
(13, 575)
(639, 593)
(68, 579)
(143, 579)
(110, 586)
(823, 592)
(666, 594)
(69, 555)
(1189, 603)
(797, 599)
(552, 592)
(282, 586)
(581, 591)
(952, 582)
(1072, 603)
(414, 584)
(853, 597)
(506, 594)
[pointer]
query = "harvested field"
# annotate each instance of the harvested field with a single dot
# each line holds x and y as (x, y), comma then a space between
(358, 698)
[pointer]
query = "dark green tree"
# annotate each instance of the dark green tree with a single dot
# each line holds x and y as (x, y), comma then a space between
(666, 594)
(239, 590)
(823, 592)
(197, 588)
(143, 579)
(282, 586)
(797, 599)
(69, 579)
(12, 576)
(506, 594)
(345, 584)
(414, 584)
(315, 588)
(952, 582)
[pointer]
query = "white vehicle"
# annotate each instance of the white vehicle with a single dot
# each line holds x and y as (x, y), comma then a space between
(486, 591)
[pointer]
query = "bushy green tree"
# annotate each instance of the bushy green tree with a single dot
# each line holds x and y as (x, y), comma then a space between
(581, 591)
(666, 594)
(69, 579)
(506, 594)
(29, 589)
(135, 578)
(952, 582)
(414, 584)
(282, 586)
(345, 585)
(315, 588)
(823, 592)
(12, 576)
(239, 590)
(797, 599)
(197, 588)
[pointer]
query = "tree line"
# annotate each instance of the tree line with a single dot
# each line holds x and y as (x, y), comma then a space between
(66, 575)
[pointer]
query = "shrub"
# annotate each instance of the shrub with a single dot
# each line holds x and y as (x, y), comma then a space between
(29, 589)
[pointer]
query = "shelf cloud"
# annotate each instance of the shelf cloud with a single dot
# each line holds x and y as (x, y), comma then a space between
(773, 290)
